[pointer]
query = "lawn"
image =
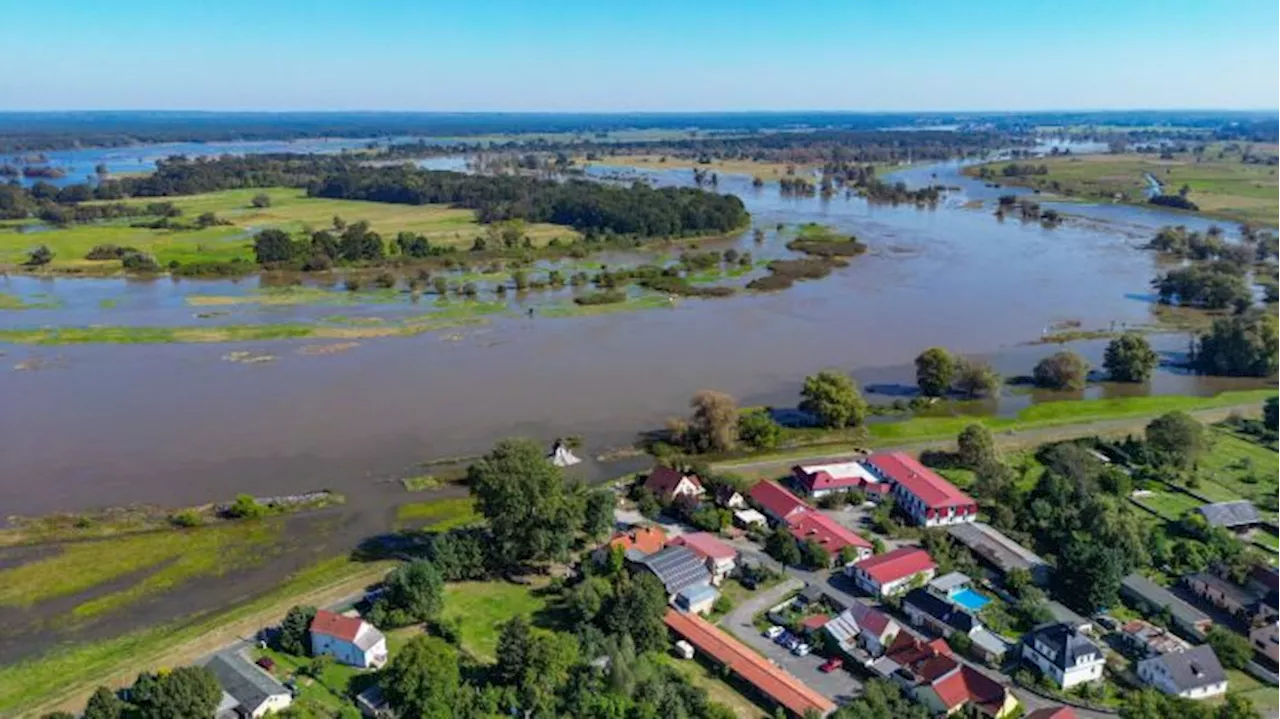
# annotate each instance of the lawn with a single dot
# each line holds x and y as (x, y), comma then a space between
(1236, 467)
(329, 694)
(290, 209)
(718, 690)
(1170, 505)
(440, 514)
(1264, 697)
(481, 608)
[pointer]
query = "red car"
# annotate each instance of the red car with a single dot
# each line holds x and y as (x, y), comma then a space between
(266, 663)
(831, 664)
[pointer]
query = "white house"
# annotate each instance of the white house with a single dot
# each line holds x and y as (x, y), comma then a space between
(247, 689)
(668, 485)
(1063, 654)
(892, 572)
(1193, 674)
(350, 640)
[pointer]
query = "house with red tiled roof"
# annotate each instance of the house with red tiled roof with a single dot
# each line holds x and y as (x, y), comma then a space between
(861, 626)
(818, 479)
(636, 542)
(921, 493)
(828, 533)
(892, 572)
(930, 674)
(776, 502)
(349, 640)
(1059, 712)
(668, 484)
(721, 556)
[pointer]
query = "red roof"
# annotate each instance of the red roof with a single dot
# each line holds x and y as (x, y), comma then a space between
(826, 531)
(906, 650)
(662, 481)
(924, 483)
(770, 680)
(706, 544)
(646, 539)
(870, 619)
(901, 563)
(970, 685)
(336, 625)
(848, 475)
(816, 621)
(776, 500)
(1062, 712)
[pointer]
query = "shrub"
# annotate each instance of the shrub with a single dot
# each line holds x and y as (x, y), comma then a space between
(261, 200)
(385, 280)
(245, 507)
(1064, 370)
(186, 518)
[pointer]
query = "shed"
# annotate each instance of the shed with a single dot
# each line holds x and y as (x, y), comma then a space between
(1152, 598)
(998, 550)
(697, 599)
(1230, 514)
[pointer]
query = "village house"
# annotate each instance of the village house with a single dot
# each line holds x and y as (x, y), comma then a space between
(1265, 639)
(862, 627)
(635, 543)
(1232, 598)
(1053, 712)
(729, 498)
(668, 484)
(821, 479)
(995, 549)
(248, 691)
(929, 673)
(892, 572)
(720, 556)
(1236, 516)
(1063, 654)
(1152, 598)
(1148, 640)
(928, 499)
(940, 606)
(750, 519)
(1192, 674)
(349, 640)
(828, 534)
(776, 502)
(678, 568)
(697, 599)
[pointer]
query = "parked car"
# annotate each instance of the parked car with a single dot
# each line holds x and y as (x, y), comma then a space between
(266, 663)
(785, 638)
(831, 665)
(801, 649)
(773, 632)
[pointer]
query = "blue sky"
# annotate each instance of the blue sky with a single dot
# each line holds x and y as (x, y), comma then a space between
(602, 55)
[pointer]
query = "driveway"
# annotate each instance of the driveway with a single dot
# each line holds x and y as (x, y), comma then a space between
(839, 686)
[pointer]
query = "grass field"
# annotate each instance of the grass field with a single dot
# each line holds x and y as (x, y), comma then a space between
(440, 514)
(482, 607)
(1264, 697)
(1169, 504)
(1221, 187)
(328, 694)
(1237, 468)
(717, 689)
(290, 209)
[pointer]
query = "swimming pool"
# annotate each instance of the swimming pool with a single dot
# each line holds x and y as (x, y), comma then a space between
(970, 599)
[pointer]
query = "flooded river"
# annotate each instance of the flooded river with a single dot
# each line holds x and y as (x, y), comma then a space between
(176, 424)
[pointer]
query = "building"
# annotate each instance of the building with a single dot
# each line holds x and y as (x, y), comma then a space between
(349, 640)
(928, 499)
(730, 498)
(697, 599)
(1193, 674)
(829, 534)
(248, 691)
(930, 674)
(862, 627)
(748, 518)
(1148, 640)
(635, 543)
(1232, 598)
(678, 568)
(668, 484)
(776, 502)
(1232, 515)
(1063, 654)
(1062, 614)
(753, 669)
(1000, 552)
(821, 479)
(940, 607)
(1059, 712)
(720, 556)
(1266, 640)
(890, 573)
(1150, 598)
(373, 704)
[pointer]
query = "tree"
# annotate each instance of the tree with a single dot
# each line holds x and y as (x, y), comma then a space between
(636, 611)
(183, 693)
(935, 370)
(414, 593)
(1239, 346)
(598, 514)
(1095, 580)
(1232, 649)
(881, 699)
(813, 555)
(1177, 438)
(548, 660)
(273, 246)
(1129, 358)
(39, 256)
(1271, 414)
(833, 398)
(714, 424)
(758, 430)
(58, 715)
(104, 704)
(512, 651)
(261, 200)
(976, 446)
(782, 546)
(1064, 370)
(423, 679)
(295, 631)
(532, 514)
(975, 378)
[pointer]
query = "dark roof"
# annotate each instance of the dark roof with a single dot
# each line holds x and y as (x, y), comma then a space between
(677, 568)
(996, 548)
(1195, 668)
(1231, 591)
(1065, 643)
(1140, 588)
(246, 682)
(941, 609)
(662, 480)
(1230, 514)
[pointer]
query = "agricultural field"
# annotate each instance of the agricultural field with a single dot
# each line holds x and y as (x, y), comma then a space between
(1236, 468)
(1169, 504)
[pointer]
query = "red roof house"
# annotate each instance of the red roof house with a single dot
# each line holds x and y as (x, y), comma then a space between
(1062, 712)
(667, 484)
(926, 497)
(336, 625)
(966, 685)
(891, 572)
(828, 533)
(776, 501)
(819, 479)
(707, 545)
(644, 539)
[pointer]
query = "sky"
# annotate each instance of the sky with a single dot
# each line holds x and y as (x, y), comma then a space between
(650, 55)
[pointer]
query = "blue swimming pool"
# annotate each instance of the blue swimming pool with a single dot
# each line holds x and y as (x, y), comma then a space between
(970, 600)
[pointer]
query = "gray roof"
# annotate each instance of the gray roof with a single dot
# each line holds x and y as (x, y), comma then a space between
(1135, 586)
(677, 568)
(942, 610)
(949, 582)
(989, 641)
(1065, 643)
(989, 544)
(1061, 613)
(843, 628)
(1195, 668)
(1231, 591)
(243, 680)
(1230, 514)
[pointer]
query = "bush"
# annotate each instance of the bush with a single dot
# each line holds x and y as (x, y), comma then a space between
(1129, 358)
(261, 200)
(385, 280)
(1064, 370)
(607, 297)
(245, 507)
(758, 430)
(186, 518)
(39, 256)
(139, 262)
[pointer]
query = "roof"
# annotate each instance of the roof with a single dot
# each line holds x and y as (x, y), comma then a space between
(952, 581)
(646, 539)
(750, 516)
(1065, 643)
(901, 563)
(677, 568)
(942, 610)
(1155, 639)
(243, 680)
(968, 685)
(698, 593)
(1230, 514)
(1063, 613)
(1195, 668)
(663, 480)
(706, 544)
(827, 532)
(919, 480)
(989, 544)
(833, 475)
(871, 620)
(336, 625)
(1139, 587)
(726, 493)
(1063, 712)
(770, 680)
(816, 621)
(907, 649)
(776, 500)
(843, 628)
(1232, 592)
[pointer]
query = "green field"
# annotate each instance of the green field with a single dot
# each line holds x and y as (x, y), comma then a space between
(482, 607)
(440, 514)
(290, 209)
(1237, 468)
(327, 694)
(1169, 504)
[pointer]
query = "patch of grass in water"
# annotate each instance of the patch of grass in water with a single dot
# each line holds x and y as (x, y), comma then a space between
(646, 302)
(440, 514)
(107, 304)
(420, 483)
(286, 296)
(42, 302)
